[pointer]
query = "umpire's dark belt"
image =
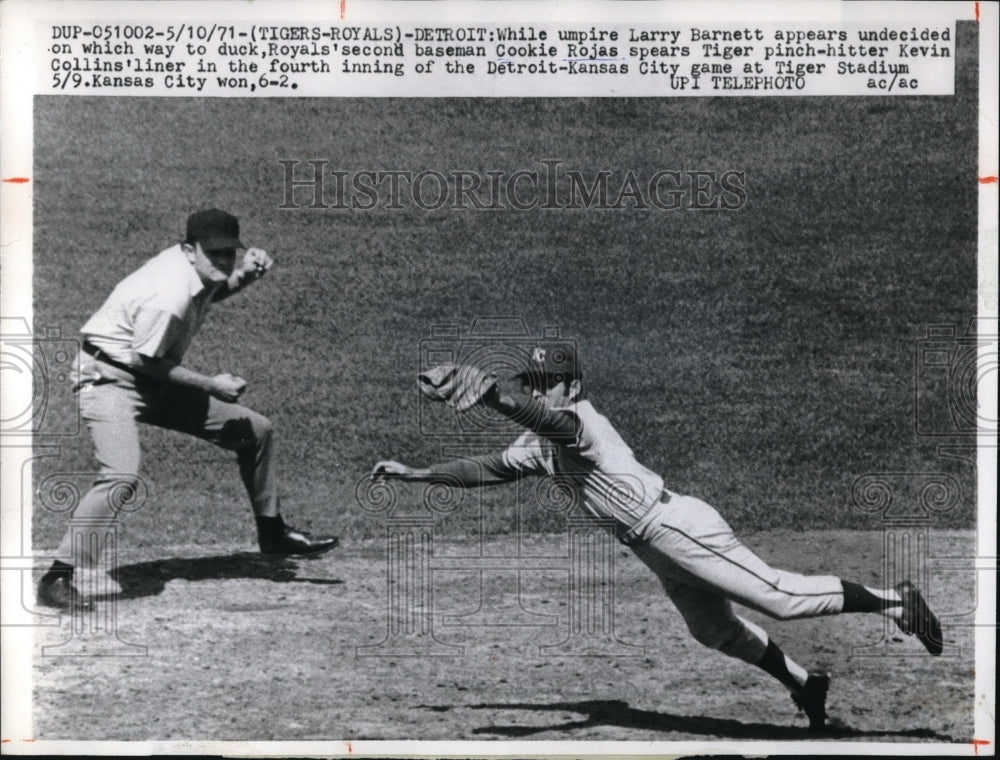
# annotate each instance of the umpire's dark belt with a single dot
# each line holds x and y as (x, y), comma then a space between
(91, 350)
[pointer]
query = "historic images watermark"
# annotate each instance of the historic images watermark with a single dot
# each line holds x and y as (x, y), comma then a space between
(907, 503)
(955, 368)
(414, 623)
(40, 411)
(33, 365)
(94, 632)
(549, 186)
(952, 366)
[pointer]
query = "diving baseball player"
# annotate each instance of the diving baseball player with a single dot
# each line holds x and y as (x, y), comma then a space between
(131, 369)
(701, 565)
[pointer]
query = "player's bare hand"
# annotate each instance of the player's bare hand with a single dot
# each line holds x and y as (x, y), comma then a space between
(227, 387)
(256, 262)
(390, 470)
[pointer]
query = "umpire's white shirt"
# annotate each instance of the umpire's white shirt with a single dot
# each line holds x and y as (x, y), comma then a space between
(155, 311)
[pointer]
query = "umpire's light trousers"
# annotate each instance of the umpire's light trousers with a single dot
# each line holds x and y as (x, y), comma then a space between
(112, 402)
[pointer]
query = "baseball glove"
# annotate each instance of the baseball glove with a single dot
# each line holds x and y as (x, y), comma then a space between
(459, 386)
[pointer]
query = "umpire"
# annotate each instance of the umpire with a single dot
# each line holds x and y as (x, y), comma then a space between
(130, 369)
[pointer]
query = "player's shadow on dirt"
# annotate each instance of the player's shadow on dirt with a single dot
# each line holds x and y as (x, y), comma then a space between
(150, 578)
(618, 713)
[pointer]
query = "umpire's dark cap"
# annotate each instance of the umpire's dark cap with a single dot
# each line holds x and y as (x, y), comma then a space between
(214, 229)
(555, 362)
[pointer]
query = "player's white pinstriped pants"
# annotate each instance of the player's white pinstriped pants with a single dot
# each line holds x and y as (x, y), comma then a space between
(703, 568)
(113, 405)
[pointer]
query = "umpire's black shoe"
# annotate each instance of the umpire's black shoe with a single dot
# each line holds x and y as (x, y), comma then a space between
(918, 620)
(59, 592)
(812, 699)
(296, 543)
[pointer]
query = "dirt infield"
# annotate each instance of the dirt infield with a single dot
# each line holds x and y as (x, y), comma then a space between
(238, 647)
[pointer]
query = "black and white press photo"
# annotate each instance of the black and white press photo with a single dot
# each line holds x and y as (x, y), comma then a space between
(502, 379)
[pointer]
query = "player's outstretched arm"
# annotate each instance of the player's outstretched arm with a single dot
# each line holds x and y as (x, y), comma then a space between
(464, 386)
(467, 472)
(392, 470)
(533, 414)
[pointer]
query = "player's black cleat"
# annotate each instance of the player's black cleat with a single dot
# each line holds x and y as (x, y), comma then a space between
(60, 593)
(812, 699)
(296, 543)
(918, 620)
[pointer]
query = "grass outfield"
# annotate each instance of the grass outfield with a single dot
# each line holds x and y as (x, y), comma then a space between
(762, 359)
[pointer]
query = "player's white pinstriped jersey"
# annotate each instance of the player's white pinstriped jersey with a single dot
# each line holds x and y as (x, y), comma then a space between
(690, 547)
(598, 465)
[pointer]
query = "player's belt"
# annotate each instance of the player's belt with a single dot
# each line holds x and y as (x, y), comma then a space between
(91, 350)
(631, 537)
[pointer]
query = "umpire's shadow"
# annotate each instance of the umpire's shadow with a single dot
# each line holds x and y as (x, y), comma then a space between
(150, 578)
(618, 713)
